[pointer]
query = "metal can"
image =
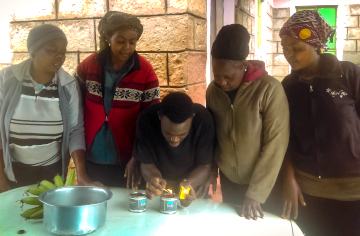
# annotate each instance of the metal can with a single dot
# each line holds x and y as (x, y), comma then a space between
(168, 204)
(137, 202)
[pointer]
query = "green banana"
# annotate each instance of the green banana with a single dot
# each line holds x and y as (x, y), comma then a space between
(26, 214)
(70, 178)
(38, 215)
(36, 191)
(47, 185)
(58, 181)
(32, 201)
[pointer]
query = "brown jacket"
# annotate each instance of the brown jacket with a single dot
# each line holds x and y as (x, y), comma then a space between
(252, 133)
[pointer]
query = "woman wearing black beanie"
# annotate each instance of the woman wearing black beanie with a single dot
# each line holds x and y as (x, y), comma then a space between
(252, 122)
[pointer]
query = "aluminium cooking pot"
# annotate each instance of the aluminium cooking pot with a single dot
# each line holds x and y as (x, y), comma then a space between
(74, 210)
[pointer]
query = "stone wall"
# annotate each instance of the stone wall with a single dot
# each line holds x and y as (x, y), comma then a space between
(280, 67)
(174, 38)
(271, 46)
(245, 12)
(352, 41)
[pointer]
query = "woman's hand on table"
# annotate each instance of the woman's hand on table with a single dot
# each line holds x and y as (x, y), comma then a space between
(292, 195)
(155, 187)
(133, 173)
(84, 180)
(251, 206)
(4, 184)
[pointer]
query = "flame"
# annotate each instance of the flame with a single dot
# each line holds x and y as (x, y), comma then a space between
(169, 190)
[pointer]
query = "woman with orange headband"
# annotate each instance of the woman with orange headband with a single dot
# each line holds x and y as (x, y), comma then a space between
(321, 169)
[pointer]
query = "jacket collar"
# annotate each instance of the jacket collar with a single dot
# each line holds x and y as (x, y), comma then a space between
(104, 55)
(330, 67)
(22, 69)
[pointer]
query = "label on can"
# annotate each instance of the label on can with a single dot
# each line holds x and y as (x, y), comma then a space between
(168, 206)
(137, 202)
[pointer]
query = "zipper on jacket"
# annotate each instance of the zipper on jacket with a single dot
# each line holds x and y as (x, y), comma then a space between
(315, 132)
(232, 137)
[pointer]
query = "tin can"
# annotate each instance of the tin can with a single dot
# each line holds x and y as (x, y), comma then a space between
(137, 202)
(168, 204)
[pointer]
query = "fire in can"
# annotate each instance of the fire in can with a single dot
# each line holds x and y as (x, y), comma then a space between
(168, 203)
(137, 202)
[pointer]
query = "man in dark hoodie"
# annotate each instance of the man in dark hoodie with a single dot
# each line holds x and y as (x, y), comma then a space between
(251, 116)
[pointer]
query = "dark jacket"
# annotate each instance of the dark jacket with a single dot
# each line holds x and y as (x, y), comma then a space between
(324, 119)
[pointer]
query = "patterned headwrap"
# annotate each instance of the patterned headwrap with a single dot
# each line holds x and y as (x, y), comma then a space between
(310, 27)
(114, 20)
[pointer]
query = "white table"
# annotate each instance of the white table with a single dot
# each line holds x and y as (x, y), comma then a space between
(202, 217)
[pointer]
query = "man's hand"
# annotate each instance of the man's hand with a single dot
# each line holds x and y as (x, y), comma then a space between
(133, 174)
(191, 196)
(84, 180)
(4, 184)
(155, 187)
(292, 194)
(251, 206)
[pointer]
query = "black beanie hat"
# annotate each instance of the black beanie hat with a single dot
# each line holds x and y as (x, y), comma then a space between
(231, 43)
(42, 34)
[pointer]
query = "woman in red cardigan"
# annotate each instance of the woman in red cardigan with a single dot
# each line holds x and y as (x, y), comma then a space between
(117, 85)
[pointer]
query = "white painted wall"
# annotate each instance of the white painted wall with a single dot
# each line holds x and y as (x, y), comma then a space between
(229, 12)
(290, 3)
(210, 26)
(340, 21)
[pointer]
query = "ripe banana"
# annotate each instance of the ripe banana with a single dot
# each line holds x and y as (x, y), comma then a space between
(38, 215)
(32, 201)
(70, 178)
(47, 185)
(26, 214)
(36, 191)
(58, 181)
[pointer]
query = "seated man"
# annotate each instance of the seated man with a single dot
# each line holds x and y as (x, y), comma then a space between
(175, 145)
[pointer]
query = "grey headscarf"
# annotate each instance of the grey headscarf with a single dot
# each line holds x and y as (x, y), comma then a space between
(42, 34)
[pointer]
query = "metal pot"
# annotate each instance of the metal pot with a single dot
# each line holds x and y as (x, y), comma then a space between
(74, 210)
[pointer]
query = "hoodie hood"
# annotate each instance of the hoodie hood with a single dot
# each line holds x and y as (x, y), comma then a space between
(255, 69)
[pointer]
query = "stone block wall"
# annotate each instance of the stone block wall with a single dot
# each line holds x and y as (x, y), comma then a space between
(352, 41)
(245, 12)
(174, 38)
(271, 46)
(280, 67)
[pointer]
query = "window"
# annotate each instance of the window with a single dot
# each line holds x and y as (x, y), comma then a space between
(259, 4)
(329, 13)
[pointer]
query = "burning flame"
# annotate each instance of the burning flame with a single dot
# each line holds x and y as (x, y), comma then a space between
(170, 191)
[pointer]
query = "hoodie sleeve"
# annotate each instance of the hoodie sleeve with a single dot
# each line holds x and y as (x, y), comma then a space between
(77, 131)
(275, 141)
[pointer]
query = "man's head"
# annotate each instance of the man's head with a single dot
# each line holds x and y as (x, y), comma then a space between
(229, 52)
(176, 114)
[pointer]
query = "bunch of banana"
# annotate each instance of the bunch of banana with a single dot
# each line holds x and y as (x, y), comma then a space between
(37, 212)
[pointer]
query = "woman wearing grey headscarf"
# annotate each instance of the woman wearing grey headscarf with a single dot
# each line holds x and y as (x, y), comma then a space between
(117, 85)
(41, 117)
